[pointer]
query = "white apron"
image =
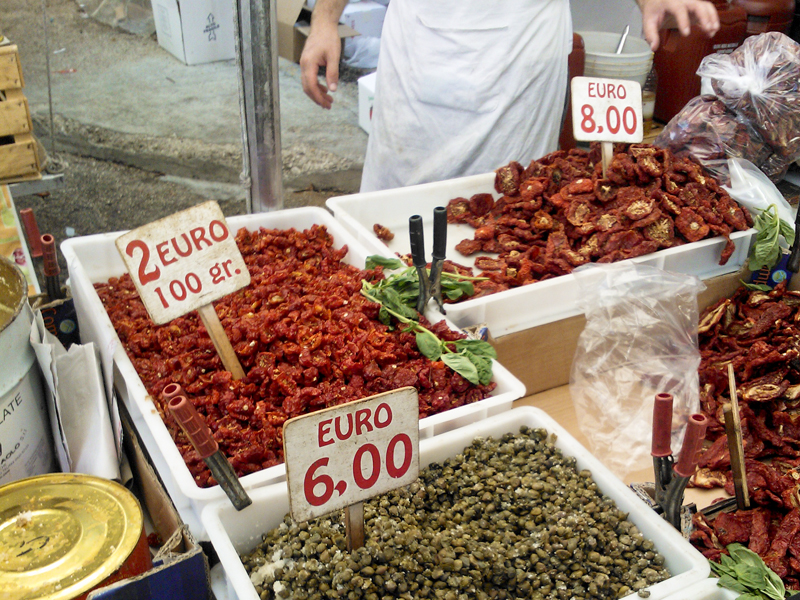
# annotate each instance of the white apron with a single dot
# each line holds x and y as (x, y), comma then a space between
(465, 86)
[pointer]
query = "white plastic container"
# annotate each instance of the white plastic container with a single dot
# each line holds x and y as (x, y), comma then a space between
(95, 259)
(634, 62)
(518, 308)
(232, 533)
(705, 590)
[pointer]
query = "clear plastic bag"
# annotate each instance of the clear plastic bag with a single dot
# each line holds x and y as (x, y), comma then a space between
(760, 81)
(640, 339)
(750, 187)
(710, 132)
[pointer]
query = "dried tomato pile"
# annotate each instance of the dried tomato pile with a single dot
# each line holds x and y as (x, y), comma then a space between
(759, 334)
(560, 213)
(305, 336)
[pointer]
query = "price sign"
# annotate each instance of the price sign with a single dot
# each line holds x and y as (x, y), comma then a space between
(606, 110)
(345, 454)
(183, 261)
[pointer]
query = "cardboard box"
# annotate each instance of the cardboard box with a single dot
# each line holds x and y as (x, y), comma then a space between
(366, 97)
(366, 17)
(541, 357)
(294, 17)
(195, 31)
(180, 568)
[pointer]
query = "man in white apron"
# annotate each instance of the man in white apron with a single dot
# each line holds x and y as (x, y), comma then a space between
(465, 86)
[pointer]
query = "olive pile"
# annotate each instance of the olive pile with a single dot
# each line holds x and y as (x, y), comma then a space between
(506, 518)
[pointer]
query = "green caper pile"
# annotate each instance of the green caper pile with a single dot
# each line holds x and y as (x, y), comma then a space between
(506, 518)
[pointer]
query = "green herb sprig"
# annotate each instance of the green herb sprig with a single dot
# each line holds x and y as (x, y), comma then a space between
(472, 359)
(766, 250)
(406, 281)
(744, 572)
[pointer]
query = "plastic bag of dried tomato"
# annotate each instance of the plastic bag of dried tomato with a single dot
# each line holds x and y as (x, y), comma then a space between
(760, 81)
(640, 339)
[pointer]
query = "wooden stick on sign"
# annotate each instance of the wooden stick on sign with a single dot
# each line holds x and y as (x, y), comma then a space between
(354, 525)
(606, 154)
(733, 428)
(221, 342)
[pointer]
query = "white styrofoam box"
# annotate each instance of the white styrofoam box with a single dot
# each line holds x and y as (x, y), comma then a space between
(518, 308)
(366, 97)
(366, 17)
(94, 259)
(233, 533)
(705, 590)
(195, 31)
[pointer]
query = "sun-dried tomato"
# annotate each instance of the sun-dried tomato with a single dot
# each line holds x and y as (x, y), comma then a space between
(507, 179)
(691, 225)
(304, 334)
(383, 233)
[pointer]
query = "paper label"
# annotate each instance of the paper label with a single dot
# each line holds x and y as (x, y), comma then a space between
(349, 453)
(183, 261)
(606, 110)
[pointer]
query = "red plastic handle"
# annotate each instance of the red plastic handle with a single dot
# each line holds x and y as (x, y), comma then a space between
(695, 434)
(171, 390)
(51, 267)
(192, 424)
(662, 425)
(31, 231)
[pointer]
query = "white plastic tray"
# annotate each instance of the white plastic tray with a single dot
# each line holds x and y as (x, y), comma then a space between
(519, 308)
(705, 590)
(94, 259)
(232, 533)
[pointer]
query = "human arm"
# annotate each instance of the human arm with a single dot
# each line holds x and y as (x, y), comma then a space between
(660, 14)
(323, 48)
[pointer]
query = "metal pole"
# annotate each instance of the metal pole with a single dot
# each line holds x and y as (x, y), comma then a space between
(259, 100)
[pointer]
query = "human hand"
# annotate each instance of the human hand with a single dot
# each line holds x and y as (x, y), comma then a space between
(323, 48)
(683, 14)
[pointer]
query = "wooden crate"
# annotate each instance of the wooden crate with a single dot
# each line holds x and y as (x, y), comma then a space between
(10, 68)
(19, 158)
(15, 117)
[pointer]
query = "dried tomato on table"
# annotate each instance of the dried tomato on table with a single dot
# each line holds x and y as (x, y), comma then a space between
(305, 336)
(561, 209)
(758, 333)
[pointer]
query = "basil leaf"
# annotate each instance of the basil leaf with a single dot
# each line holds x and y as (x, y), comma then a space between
(462, 365)
(384, 316)
(376, 260)
(787, 231)
(429, 345)
(478, 347)
(729, 582)
(758, 287)
(483, 366)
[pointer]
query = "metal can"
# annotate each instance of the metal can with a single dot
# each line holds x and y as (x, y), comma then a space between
(64, 534)
(26, 446)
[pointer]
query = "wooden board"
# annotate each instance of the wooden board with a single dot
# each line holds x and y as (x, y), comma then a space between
(10, 68)
(19, 157)
(15, 116)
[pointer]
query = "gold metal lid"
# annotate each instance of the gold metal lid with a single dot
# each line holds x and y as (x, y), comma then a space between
(62, 534)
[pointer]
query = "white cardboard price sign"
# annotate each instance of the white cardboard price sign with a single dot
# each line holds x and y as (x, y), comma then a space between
(345, 454)
(183, 261)
(606, 110)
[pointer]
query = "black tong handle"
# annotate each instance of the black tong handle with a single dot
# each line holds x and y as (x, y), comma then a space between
(417, 239)
(793, 264)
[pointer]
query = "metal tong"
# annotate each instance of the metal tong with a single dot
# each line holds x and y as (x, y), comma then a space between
(793, 264)
(430, 286)
(671, 479)
(206, 446)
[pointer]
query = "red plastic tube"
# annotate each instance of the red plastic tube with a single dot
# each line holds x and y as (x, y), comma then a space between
(662, 425)
(31, 231)
(192, 424)
(695, 434)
